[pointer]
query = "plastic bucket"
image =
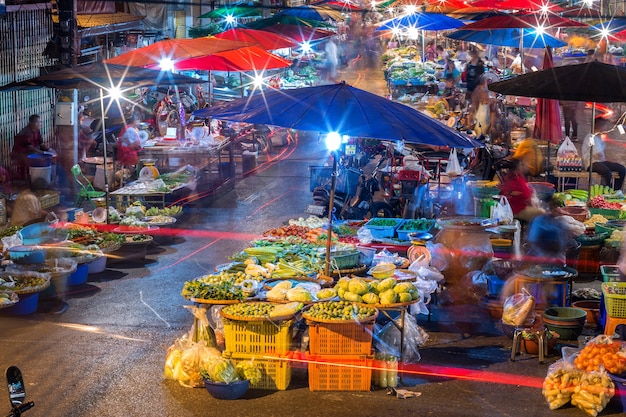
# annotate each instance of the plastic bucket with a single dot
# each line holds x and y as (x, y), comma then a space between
(38, 160)
(79, 276)
(97, 266)
(27, 305)
(618, 402)
(42, 173)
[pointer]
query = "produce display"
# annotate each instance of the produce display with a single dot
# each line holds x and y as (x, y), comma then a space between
(206, 289)
(599, 201)
(250, 310)
(593, 393)
(312, 222)
(23, 283)
(285, 291)
(611, 355)
(380, 222)
(387, 291)
(559, 384)
(8, 298)
(339, 310)
(171, 211)
(417, 224)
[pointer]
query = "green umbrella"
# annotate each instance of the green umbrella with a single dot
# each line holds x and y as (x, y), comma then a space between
(287, 20)
(234, 11)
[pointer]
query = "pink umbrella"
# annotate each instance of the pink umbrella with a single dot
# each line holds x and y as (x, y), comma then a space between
(548, 113)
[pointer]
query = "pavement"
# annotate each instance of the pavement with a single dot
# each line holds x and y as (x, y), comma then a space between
(105, 355)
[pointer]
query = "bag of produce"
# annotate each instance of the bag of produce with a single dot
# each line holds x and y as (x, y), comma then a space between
(518, 309)
(502, 211)
(453, 168)
(567, 149)
(387, 340)
(184, 360)
(602, 352)
(560, 383)
(594, 392)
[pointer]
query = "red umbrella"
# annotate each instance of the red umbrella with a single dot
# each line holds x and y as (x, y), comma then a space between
(342, 5)
(251, 58)
(299, 33)
(444, 6)
(174, 49)
(265, 40)
(548, 114)
(524, 20)
(533, 5)
(581, 12)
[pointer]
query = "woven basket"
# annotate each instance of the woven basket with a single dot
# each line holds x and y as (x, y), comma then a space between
(577, 213)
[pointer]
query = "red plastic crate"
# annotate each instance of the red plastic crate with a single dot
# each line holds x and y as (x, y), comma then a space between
(407, 175)
(340, 372)
(340, 338)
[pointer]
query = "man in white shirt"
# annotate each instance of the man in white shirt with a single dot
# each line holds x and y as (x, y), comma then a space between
(599, 163)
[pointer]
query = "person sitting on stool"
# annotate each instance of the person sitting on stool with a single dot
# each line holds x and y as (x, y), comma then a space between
(599, 163)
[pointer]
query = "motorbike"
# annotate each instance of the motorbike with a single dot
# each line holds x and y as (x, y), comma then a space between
(17, 392)
(111, 134)
(484, 164)
(358, 205)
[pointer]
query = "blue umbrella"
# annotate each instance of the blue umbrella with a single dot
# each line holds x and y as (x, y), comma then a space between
(422, 21)
(526, 38)
(339, 108)
(616, 24)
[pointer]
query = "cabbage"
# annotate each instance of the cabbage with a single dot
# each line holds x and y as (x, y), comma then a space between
(370, 298)
(223, 371)
(299, 294)
(373, 286)
(341, 292)
(388, 297)
(350, 296)
(283, 285)
(405, 297)
(343, 283)
(250, 371)
(386, 284)
(357, 286)
(326, 293)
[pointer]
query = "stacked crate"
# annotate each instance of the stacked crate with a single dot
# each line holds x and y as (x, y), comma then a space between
(615, 303)
(340, 356)
(267, 343)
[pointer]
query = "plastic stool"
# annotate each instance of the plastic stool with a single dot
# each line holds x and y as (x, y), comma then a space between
(611, 324)
(542, 336)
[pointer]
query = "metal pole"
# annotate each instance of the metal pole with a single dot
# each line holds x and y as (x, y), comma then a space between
(333, 183)
(593, 132)
(104, 158)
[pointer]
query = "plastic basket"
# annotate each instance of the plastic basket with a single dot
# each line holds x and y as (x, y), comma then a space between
(257, 337)
(344, 261)
(276, 373)
(403, 234)
(48, 198)
(610, 273)
(607, 213)
(382, 231)
(615, 298)
(340, 372)
(340, 339)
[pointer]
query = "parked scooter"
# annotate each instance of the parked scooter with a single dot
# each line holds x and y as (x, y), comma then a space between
(17, 392)
(360, 205)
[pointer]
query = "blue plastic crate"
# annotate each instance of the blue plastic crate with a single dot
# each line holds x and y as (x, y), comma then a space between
(381, 232)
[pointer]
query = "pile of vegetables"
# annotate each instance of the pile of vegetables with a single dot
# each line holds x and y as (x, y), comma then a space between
(610, 355)
(600, 202)
(206, 290)
(22, 283)
(418, 224)
(285, 291)
(339, 310)
(387, 291)
(171, 211)
(223, 370)
(250, 310)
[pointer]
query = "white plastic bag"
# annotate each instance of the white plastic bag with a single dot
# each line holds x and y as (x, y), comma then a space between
(453, 169)
(502, 211)
(567, 149)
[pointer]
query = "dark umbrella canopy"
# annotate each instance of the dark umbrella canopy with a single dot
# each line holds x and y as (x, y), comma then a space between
(102, 75)
(343, 109)
(590, 81)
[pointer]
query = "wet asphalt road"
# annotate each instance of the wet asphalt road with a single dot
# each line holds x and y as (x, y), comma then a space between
(105, 355)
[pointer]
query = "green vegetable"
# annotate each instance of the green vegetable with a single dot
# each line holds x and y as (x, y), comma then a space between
(339, 310)
(405, 297)
(357, 286)
(382, 222)
(388, 297)
(326, 293)
(370, 298)
(386, 284)
(417, 224)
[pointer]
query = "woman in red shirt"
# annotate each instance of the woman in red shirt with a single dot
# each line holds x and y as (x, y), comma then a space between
(518, 192)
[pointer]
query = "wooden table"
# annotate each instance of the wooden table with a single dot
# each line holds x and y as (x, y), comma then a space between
(564, 177)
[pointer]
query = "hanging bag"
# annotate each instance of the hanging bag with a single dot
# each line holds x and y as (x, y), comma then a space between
(502, 211)
(453, 169)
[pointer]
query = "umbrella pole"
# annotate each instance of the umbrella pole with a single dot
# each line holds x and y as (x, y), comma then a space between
(591, 143)
(333, 183)
(104, 157)
(423, 47)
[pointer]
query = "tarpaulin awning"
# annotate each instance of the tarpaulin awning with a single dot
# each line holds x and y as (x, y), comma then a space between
(100, 24)
(244, 59)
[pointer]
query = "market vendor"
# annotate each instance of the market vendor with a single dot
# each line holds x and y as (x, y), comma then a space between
(473, 70)
(450, 69)
(27, 142)
(530, 157)
(129, 144)
(27, 207)
(481, 117)
(517, 191)
(599, 163)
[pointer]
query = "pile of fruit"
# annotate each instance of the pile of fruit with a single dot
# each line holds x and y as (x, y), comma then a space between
(249, 310)
(387, 291)
(339, 310)
(610, 355)
(22, 283)
(599, 201)
(291, 230)
(604, 190)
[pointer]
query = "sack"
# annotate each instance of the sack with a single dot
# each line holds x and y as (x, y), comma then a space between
(567, 149)
(502, 211)
(518, 309)
(453, 168)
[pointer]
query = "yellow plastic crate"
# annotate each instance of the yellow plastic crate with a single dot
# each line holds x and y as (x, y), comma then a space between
(615, 298)
(257, 337)
(276, 373)
(340, 372)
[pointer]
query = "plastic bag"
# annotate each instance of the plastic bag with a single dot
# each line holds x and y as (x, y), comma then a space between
(184, 360)
(518, 309)
(567, 149)
(439, 256)
(474, 285)
(387, 340)
(365, 235)
(559, 384)
(453, 169)
(473, 250)
(10, 241)
(428, 274)
(602, 352)
(502, 211)
(596, 390)
(201, 330)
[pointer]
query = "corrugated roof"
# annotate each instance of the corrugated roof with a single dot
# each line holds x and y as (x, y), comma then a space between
(85, 21)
